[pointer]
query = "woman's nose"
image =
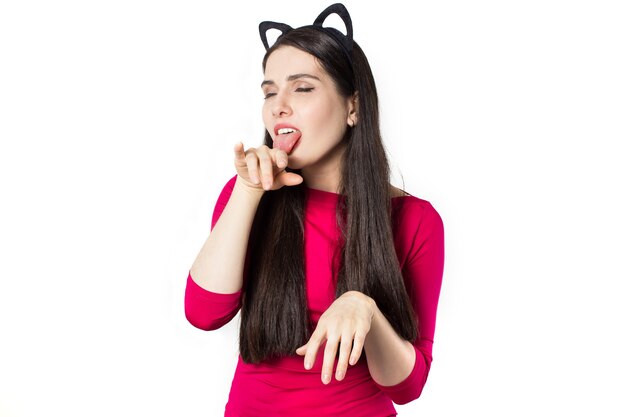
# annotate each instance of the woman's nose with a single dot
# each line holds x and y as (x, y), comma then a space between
(281, 106)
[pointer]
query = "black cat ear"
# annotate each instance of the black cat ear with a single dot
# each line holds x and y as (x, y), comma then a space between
(342, 12)
(265, 26)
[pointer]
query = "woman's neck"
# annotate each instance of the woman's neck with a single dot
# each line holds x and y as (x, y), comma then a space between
(325, 175)
(322, 181)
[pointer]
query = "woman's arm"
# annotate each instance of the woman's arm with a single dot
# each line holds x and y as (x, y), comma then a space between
(206, 309)
(390, 358)
(219, 265)
(397, 367)
(212, 295)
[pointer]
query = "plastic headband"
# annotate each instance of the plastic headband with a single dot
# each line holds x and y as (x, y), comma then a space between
(344, 40)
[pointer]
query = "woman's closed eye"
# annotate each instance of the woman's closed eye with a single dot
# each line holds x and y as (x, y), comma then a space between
(298, 90)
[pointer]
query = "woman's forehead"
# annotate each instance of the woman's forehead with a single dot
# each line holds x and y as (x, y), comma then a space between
(287, 60)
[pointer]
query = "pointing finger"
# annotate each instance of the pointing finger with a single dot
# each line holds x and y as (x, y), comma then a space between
(239, 153)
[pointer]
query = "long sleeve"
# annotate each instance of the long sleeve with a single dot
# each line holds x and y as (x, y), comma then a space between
(422, 267)
(205, 309)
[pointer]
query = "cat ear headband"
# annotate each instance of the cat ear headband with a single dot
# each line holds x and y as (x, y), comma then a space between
(344, 40)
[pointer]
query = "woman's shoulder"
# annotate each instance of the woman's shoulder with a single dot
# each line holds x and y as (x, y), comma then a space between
(412, 209)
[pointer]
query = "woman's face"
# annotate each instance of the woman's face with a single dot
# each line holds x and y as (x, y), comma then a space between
(300, 95)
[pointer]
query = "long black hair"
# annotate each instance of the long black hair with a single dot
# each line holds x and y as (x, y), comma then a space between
(274, 316)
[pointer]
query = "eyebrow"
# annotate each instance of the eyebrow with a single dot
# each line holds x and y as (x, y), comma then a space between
(292, 78)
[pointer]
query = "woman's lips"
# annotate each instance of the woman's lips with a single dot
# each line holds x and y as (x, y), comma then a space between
(286, 141)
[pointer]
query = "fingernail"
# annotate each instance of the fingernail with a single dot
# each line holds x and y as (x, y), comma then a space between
(326, 378)
(339, 375)
(307, 365)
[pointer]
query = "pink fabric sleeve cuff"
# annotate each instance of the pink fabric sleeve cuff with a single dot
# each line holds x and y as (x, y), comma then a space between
(209, 310)
(411, 387)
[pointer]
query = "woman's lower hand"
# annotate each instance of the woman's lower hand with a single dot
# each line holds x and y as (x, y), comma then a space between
(344, 327)
(264, 168)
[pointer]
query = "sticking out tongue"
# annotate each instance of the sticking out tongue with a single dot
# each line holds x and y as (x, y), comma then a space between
(286, 141)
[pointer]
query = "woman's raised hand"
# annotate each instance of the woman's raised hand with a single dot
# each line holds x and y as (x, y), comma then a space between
(264, 168)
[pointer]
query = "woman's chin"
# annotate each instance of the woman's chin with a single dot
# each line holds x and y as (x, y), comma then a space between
(295, 163)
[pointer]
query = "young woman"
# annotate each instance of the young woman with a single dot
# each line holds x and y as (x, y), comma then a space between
(337, 273)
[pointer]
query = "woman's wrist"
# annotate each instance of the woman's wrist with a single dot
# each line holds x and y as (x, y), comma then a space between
(242, 188)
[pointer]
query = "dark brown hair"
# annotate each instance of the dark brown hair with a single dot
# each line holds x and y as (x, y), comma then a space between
(274, 316)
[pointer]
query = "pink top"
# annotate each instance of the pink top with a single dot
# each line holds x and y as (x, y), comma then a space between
(282, 387)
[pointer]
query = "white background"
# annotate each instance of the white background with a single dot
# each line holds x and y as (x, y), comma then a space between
(117, 122)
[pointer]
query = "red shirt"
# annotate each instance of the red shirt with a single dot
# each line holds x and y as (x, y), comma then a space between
(282, 387)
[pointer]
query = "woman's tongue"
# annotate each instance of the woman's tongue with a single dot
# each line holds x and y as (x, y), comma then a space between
(286, 141)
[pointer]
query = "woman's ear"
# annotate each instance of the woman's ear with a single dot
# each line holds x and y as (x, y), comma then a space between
(353, 109)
